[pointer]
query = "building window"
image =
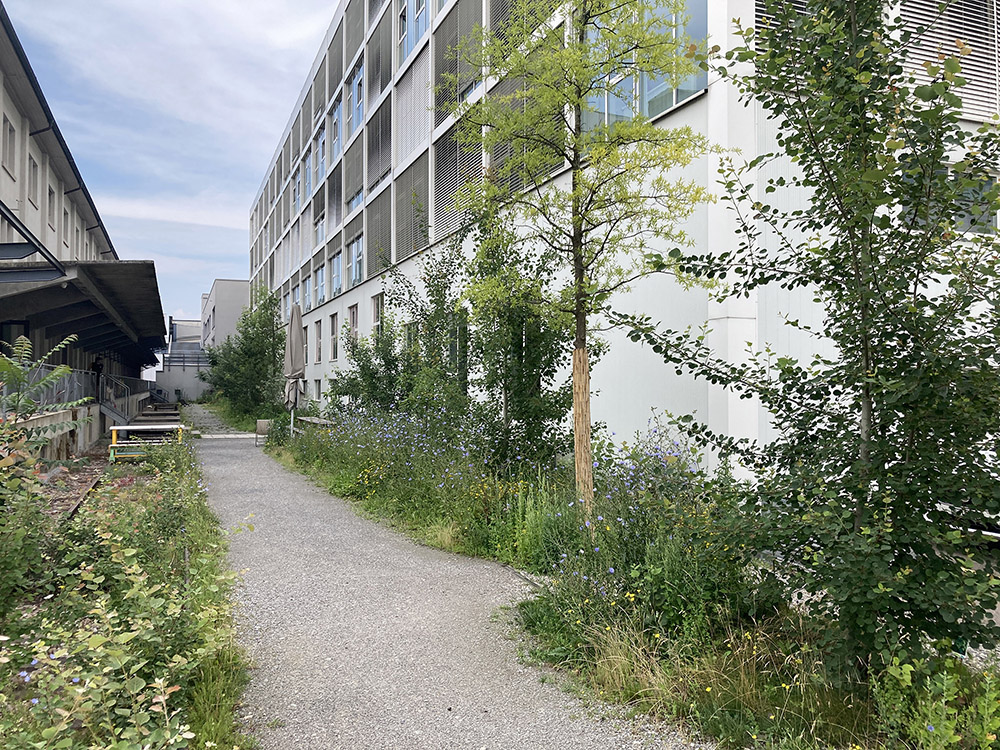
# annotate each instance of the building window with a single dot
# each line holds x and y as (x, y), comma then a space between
(9, 146)
(319, 387)
(320, 156)
(319, 229)
(656, 95)
(336, 275)
(288, 308)
(309, 173)
(33, 181)
(65, 227)
(355, 99)
(356, 255)
(52, 209)
(307, 292)
(296, 192)
(335, 128)
(321, 285)
(305, 345)
(334, 334)
(412, 23)
(378, 306)
(319, 342)
(352, 321)
(295, 294)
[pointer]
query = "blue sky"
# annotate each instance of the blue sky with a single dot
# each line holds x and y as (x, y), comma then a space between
(172, 111)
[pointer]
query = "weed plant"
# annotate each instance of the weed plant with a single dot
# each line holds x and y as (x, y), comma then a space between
(132, 645)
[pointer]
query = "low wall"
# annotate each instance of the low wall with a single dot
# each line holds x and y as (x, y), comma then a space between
(66, 438)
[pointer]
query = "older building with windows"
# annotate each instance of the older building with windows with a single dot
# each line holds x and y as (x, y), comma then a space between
(365, 171)
(59, 271)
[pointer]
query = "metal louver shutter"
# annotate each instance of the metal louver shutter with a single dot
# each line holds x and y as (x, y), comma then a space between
(319, 93)
(445, 63)
(413, 107)
(454, 165)
(335, 59)
(761, 15)
(412, 202)
(470, 15)
(500, 17)
(354, 172)
(374, 6)
(508, 90)
(378, 237)
(379, 58)
(354, 22)
(972, 21)
(335, 196)
(379, 134)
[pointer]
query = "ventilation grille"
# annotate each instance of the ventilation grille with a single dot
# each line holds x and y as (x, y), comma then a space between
(380, 58)
(454, 165)
(413, 107)
(975, 23)
(412, 202)
(378, 237)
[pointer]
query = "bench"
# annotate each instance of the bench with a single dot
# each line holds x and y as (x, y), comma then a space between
(124, 444)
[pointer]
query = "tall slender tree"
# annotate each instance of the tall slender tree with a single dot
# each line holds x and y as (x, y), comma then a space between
(591, 183)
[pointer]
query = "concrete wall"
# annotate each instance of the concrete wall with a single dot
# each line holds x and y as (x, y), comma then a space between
(184, 379)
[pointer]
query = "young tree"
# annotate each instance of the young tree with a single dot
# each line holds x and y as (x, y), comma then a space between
(518, 343)
(588, 196)
(885, 466)
(247, 367)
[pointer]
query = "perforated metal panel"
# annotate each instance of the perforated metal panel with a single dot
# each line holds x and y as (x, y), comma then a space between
(972, 21)
(412, 208)
(354, 28)
(378, 235)
(379, 135)
(413, 106)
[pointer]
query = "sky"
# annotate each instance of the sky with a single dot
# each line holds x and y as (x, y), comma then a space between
(172, 111)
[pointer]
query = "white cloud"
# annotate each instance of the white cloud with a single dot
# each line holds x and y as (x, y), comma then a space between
(206, 209)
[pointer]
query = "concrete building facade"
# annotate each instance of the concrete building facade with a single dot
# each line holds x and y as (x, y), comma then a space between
(221, 308)
(367, 162)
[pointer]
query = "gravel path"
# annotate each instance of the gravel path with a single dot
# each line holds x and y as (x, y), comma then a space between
(361, 639)
(205, 421)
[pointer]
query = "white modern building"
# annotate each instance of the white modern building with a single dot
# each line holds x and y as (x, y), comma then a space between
(367, 163)
(221, 308)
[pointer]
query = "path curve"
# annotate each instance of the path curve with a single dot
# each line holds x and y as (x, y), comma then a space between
(363, 640)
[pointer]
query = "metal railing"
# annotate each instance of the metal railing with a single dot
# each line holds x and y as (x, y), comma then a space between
(184, 360)
(74, 386)
(117, 392)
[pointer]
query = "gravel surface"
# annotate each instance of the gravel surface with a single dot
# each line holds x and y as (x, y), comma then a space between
(361, 639)
(205, 421)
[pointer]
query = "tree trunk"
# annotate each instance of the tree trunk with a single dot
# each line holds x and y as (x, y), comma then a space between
(581, 430)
